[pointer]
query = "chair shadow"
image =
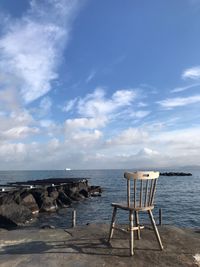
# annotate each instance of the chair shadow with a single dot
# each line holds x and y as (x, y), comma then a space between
(87, 246)
(34, 247)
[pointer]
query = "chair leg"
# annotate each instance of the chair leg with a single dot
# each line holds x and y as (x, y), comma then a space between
(112, 225)
(155, 229)
(137, 224)
(131, 232)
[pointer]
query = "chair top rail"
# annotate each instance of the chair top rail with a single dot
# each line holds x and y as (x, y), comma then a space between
(141, 175)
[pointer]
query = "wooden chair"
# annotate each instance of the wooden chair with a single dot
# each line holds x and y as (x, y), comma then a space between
(141, 198)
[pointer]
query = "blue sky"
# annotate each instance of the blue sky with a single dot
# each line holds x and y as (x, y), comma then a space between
(99, 84)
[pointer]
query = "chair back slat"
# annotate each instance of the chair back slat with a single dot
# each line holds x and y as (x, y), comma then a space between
(128, 193)
(141, 191)
(150, 193)
(153, 192)
(144, 187)
(146, 193)
(135, 192)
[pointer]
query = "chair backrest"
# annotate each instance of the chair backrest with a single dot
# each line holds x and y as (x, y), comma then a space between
(144, 187)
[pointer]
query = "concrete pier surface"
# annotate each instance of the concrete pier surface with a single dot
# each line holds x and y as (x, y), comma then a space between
(86, 246)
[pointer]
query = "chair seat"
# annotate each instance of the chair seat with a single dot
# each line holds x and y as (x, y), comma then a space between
(124, 206)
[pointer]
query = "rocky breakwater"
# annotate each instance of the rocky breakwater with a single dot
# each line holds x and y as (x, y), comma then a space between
(20, 202)
(176, 174)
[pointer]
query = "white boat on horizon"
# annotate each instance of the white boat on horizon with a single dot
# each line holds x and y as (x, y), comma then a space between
(68, 169)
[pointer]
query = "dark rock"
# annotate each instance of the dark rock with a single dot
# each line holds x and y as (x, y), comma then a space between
(48, 204)
(82, 185)
(30, 202)
(76, 196)
(51, 181)
(54, 194)
(26, 198)
(13, 196)
(73, 190)
(47, 226)
(6, 199)
(18, 195)
(84, 193)
(39, 194)
(7, 223)
(18, 214)
(95, 191)
(63, 200)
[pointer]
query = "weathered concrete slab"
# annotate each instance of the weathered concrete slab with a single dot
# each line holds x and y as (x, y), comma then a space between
(87, 246)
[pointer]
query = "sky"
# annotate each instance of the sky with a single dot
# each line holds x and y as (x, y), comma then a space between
(89, 84)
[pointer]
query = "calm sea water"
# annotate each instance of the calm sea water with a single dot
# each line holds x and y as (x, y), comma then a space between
(179, 197)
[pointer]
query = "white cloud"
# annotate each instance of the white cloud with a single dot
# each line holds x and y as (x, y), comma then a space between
(2, 113)
(142, 105)
(192, 73)
(83, 133)
(85, 138)
(45, 105)
(90, 76)
(180, 89)
(69, 105)
(96, 104)
(46, 123)
(9, 99)
(54, 144)
(21, 117)
(31, 47)
(85, 123)
(124, 97)
(18, 124)
(179, 101)
(85, 149)
(12, 153)
(128, 137)
(16, 119)
(147, 152)
(50, 128)
(179, 139)
(19, 132)
(140, 114)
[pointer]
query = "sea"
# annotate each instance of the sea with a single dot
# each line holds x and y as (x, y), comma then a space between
(177, 196)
